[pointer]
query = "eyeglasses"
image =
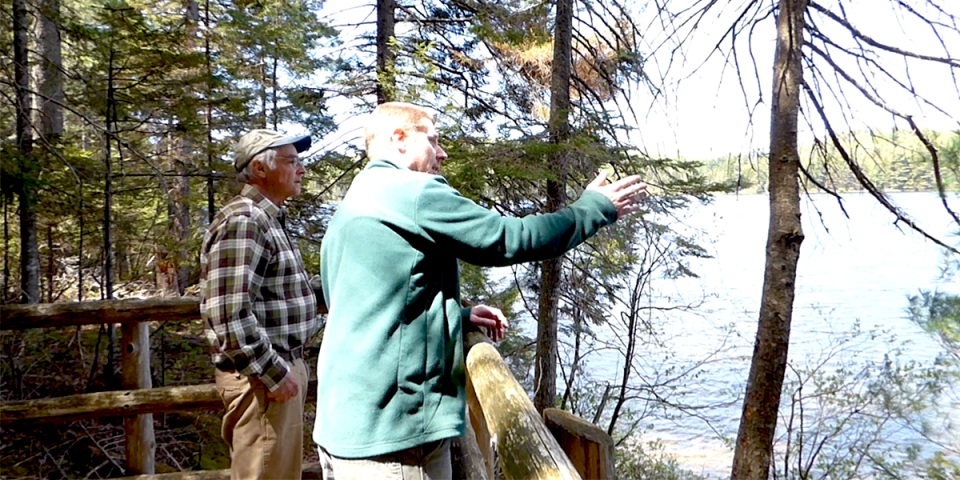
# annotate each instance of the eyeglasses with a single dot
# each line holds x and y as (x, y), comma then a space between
(295, 160)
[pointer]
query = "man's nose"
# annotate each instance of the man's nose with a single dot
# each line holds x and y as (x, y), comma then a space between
(441, 154)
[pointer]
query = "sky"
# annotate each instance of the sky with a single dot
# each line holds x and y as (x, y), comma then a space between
(706, 118)
(704, 113)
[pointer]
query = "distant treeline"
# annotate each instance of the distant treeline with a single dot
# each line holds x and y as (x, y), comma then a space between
(894, 161)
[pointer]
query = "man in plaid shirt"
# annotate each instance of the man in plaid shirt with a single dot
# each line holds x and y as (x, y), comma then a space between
(260, 309)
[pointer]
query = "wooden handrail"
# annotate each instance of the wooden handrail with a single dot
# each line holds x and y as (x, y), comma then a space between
(45, 315)
(108, 404)
(526, 448)
(588, 446)
(504, 428)
(132, 310)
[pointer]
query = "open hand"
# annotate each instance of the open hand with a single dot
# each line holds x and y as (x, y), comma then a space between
(490, 320)
(626, 193)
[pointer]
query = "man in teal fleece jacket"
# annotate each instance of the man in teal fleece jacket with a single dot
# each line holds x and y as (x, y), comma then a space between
(390, 391)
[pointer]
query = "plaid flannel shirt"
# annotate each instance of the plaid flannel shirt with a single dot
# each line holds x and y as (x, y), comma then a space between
(255, 294)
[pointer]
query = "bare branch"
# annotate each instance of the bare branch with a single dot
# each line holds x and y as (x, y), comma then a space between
(866, 182)
(953, 62)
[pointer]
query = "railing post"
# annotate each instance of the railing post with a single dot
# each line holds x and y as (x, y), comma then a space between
(141, 445)
(587, 446)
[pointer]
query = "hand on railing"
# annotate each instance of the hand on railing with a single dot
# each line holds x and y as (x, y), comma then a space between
(490, 320)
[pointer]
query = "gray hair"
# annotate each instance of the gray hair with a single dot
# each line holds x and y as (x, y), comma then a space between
(267, 157)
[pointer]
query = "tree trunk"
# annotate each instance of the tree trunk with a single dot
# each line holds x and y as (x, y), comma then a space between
(29, 255)
(6, 249)
(575, 363)
(51, 80)
(545, 374)
(386, 84)
(109, 370)
(51, 99)
(263, 91)
(170, 271)
(209, 113)
(80, 216)
(758, 422)
(51, 267)
(275, 117)
(108, 185)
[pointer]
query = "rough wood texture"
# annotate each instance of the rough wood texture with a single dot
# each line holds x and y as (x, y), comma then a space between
(19, 317)
(527, 450)
(588, 447)
(474, 462)
(476, 423)
(311, 471)
(168, 309)
(106, 404)
(761, 401)
(140, 443)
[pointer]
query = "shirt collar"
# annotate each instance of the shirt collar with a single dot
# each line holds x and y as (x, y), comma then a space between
(251, 192)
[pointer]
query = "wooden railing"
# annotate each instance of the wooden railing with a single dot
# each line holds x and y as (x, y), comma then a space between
(504, 431)
(140, 401)
(509, 429)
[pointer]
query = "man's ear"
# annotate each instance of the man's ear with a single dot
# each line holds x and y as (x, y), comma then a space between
(399, 139)
(259, 169)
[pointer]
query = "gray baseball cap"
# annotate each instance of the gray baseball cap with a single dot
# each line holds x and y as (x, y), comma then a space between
(256, 141)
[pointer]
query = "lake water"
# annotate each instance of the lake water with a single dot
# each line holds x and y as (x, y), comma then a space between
(861, 269)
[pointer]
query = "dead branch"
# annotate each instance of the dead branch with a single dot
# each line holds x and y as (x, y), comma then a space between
(862, 178)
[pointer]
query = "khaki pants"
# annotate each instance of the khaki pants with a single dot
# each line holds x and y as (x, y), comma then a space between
(265, 437)
(424, 462)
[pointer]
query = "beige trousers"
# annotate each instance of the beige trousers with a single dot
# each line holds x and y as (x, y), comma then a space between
(265, 437)
(424, 462)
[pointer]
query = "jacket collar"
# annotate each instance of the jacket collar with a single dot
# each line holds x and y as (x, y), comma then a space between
(383, 162)
(251, 192)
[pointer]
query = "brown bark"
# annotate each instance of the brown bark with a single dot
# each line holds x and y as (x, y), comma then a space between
(545, 373)
(170, 272)
(274, 112)
(758, 422)
(111, 404)
(109, 118)
(21, 317)
(385, 31)
(141, 444)
(6, 250)
(51, 110)
(51, 79)
(211, 212)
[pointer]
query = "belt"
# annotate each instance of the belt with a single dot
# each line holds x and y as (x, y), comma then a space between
(227, 364)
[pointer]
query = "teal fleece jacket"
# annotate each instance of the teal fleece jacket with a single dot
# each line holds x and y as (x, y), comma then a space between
(391, 368)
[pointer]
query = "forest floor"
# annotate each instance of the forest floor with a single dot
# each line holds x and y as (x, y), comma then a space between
(54, 362)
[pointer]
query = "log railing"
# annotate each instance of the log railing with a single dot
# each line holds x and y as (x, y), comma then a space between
(504, 431)
(138, 403)
(512, 435)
